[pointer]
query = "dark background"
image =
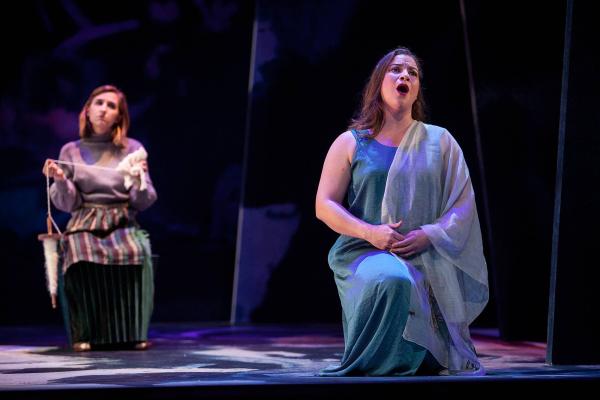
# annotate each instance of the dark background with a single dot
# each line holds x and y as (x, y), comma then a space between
(185, 67)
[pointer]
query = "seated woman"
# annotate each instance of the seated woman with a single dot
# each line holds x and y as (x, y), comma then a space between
(108, 287)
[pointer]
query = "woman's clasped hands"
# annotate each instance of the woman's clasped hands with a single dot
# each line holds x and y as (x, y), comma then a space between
(386, 237)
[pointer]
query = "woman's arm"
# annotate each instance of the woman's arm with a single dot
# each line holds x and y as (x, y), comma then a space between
(64, 194)
(142, 199)
(333, 185)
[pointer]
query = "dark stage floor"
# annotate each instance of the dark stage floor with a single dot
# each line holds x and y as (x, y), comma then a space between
(221, 361)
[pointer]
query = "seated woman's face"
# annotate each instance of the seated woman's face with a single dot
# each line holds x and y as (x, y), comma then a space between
(103, 112)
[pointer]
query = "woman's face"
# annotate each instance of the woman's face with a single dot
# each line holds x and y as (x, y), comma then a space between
(103, 112)
(400, 86)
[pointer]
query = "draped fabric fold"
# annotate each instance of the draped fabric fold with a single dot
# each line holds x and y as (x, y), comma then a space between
(428, 187)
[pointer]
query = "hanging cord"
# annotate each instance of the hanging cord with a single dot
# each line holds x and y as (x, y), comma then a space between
(49, 212)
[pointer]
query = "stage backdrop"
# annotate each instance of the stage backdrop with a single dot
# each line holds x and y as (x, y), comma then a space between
(518, 83)
(573, 317)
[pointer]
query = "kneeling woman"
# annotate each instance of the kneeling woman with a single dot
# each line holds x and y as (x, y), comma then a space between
(107, 278)
(409, 264)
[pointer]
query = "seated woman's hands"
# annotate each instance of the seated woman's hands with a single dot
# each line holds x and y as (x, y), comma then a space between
(52, 170)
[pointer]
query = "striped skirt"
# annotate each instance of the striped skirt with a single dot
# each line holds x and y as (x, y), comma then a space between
(107, 284)
(107, 304)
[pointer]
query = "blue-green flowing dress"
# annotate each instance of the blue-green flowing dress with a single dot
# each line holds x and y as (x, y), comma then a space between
(374, 286)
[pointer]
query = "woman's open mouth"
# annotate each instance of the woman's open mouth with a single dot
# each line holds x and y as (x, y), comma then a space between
(402, 88)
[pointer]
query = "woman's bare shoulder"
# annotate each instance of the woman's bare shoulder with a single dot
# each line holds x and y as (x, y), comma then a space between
(344, 143)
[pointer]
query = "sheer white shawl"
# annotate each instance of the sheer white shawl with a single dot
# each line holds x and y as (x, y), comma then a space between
(429, 187)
